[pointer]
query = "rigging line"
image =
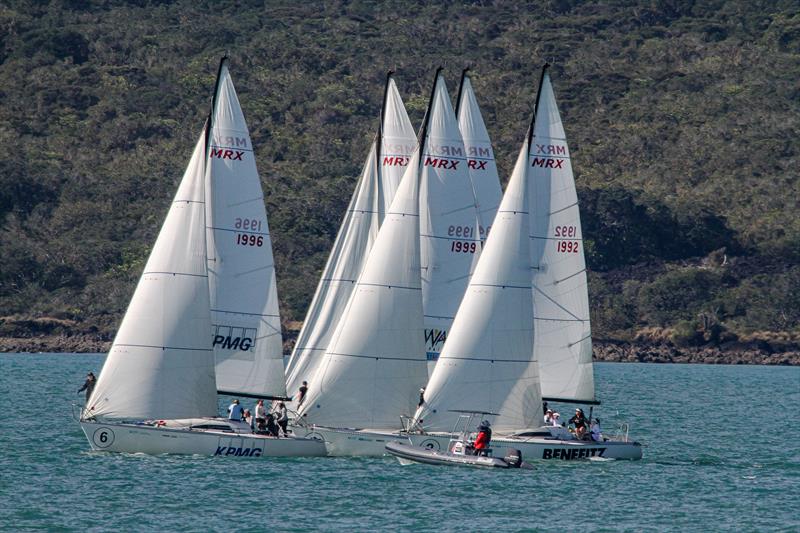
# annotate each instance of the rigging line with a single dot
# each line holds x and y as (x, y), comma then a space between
(563, 209)
(395, 213)
(589, 336)
(556, 282)
(570, 313)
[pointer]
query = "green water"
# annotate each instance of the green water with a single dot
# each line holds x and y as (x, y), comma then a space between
(721, 455)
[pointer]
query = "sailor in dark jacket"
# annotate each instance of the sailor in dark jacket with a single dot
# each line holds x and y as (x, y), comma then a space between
(88, 386)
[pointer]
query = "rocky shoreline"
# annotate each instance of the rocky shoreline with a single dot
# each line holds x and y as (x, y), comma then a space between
(604, 350)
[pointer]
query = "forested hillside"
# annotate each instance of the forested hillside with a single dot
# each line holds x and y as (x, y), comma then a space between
(683, 119)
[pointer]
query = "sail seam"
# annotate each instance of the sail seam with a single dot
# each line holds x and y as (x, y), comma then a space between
(378, 357)
(524, 361)
(563, 209)
(238, 231)
(561, 319)
(164, 347)
(570, 276)
(573, 315)
(450, 238)
(390, 286)
(242, 313)
(557, 238)
(528, 287)
(176, 274)
(239, 148)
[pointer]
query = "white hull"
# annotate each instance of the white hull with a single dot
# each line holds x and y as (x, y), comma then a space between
(139, 438)
(535, 448)
(353, 442)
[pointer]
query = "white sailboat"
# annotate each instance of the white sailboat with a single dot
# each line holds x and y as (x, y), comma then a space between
(380, 177)
(157, 391)
(490, 363)
(371, 373)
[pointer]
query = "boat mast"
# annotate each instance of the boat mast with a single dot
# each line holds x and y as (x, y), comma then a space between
(460, 90)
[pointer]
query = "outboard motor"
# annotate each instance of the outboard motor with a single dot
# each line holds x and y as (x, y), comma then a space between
(513, 458)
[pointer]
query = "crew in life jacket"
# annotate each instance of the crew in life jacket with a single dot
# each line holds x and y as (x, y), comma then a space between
(481, 444)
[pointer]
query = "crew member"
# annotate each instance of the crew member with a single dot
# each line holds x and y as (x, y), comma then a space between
(421, 397)
(302, 393)
(580, 423)
(88, 385)
(235, 411)
(282, 418)
(594, 429)
(481, 444)
(261, 415)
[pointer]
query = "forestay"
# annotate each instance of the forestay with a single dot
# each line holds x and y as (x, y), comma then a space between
(375, 363)
(387, 160)
(480, 156)
(246, 331)
(563, 339)
(449, 236)
(161, 364)
(487, 363)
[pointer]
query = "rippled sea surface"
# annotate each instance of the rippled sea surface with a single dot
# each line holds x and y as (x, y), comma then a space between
(722, 454)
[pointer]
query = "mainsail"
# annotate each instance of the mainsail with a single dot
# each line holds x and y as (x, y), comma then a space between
(380, 177)
(563, 338)
(246, 331)
(480, 156)
(450, 240)
(161, 364)
(487, 363)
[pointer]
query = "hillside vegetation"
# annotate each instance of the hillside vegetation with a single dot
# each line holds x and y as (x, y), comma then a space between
(683, 119)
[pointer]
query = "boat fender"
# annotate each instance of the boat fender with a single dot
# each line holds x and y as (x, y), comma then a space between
(513, 458)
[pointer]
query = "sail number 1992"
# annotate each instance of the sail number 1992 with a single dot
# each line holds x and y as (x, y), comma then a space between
(566, 246)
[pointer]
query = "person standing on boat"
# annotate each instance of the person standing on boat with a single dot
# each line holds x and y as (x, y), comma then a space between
(261, 415)
(235, 411)
(88, 385)
(580, 423)
(302, 391)
(282, 418)
(594, 429)
(482, 440)
(421, 397)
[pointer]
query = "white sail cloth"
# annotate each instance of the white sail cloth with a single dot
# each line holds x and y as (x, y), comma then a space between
(246, 333)
(563, 338)
(375, 362)
(480, 156)
(374, 192)
(487, 363)
(449, 236)
(161, 364)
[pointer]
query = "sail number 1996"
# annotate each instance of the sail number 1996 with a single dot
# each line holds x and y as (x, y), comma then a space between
(251, 224)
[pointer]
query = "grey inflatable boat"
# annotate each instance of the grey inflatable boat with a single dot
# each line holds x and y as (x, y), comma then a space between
(406, 453)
